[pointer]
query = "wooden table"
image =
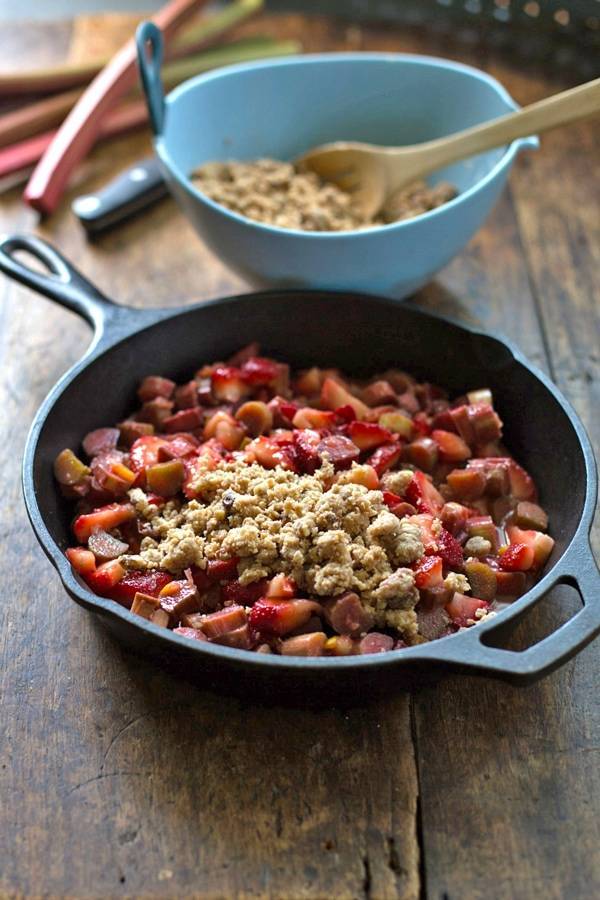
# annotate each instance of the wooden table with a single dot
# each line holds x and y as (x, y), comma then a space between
(118, 780)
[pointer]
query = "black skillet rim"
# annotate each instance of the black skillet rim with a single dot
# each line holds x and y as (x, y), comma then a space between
(474, 651)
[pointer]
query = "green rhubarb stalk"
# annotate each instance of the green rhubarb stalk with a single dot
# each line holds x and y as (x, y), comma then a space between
(244, 50)
(53, 79)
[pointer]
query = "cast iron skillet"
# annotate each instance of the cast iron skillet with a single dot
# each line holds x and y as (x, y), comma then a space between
(359, 334)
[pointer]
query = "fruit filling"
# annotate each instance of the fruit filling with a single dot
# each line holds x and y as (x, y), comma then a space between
(307, 514)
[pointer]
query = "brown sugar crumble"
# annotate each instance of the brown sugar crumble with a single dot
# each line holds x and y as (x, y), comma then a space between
(278, 193)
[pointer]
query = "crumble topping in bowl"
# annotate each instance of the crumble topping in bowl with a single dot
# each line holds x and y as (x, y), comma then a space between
(278, 193)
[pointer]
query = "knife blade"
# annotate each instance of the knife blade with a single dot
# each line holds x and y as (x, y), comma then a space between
(129, 193)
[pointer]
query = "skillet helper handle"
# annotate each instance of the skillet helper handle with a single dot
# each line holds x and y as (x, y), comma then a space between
(150, 50)
(579, 570)
(61, 282)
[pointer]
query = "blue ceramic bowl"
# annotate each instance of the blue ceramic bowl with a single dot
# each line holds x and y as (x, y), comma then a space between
(280, 108)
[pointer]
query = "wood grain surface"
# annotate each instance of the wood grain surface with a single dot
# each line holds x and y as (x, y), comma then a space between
(118, 780)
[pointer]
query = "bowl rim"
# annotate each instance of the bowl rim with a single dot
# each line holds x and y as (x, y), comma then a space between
(309, 59)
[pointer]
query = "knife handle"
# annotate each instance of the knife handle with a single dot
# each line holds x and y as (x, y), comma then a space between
(132, 191)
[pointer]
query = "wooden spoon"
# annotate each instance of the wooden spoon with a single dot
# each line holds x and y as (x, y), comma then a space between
(371, 173)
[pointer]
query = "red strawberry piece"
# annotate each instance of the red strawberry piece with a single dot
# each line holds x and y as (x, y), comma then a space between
(517, 558)
(243, 355)
(462, 609)
(184, 420)
(100, 440)
(105, 579)
(243, 594)
(425, 524)
(269, 453)
(306, 450)
(103, 519)
(454, 517)
(222, 569)
(428, 572)
(283, 411)
(423, 494)
(334, 395)
(450, 550)
(421, 424)
(385, 457)
(260, 371)
(228, 384)
(368, 435)
(540, 544)
(452, 447)
(82, 560)
(279, 617)
(346, 413)
(155, 386)
(341, 450)
(131, 583)
(144, 452)
(390, 499)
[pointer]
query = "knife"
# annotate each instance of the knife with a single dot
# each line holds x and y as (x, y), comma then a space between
(131, 192)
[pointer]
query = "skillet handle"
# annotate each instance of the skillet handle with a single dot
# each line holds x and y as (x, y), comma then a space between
(578, 570)
(150, 46)
(61, 282)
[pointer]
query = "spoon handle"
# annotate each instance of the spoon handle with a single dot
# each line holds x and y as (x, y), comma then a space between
(560, 109)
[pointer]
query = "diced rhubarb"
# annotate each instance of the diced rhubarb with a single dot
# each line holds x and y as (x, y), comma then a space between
(482, 395)
(375, 642)
(309, 382)
(345, 414)
(105, 579)
(341, 645)
(69, 469)
(177, 598)
(423, 452)
(432, 621)
(398, 423)
(192, 633)
(423, 495)
(240, 638)
(428, 572)
(486, 423)
(82, 560)
(334, 395)
(462, 609)
(482, 579)
(125, 589)
(279, 617)
(450, 550)
(517, 558)
(130, 431)
(269, 454)
(483, 526)
(304, 645)
(256, 417)
(466, 484)
(184, 420)
(228, 619)
(186, 395)
(228, 384)
(307, 417)
(521, 483)
(222, 569)
(100, 440)
(510, 584)
(144, 605)
(530, 515)
(165, 479)
(156, 411)
(347, 615)
(379, 393)
(178, 446)
(155, 386)
(454, 517)
(104, 546)
(243, 355)
(385, 457)
(451, 446)
(280, 586)
(259, 371)
(105, 518)
(340, 450)
(368, 435)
